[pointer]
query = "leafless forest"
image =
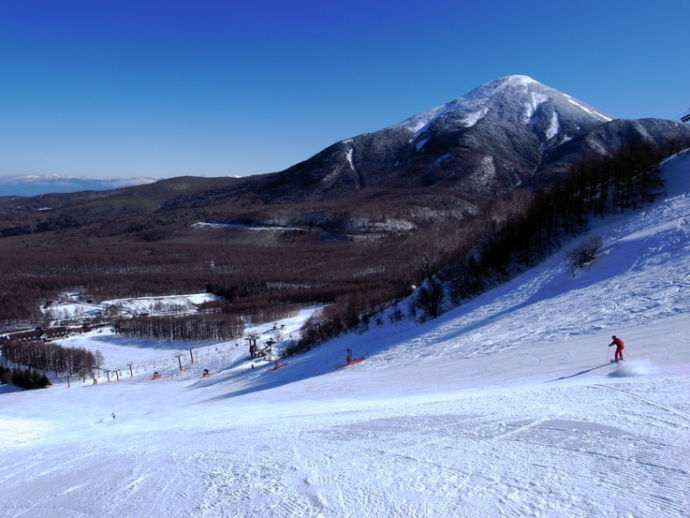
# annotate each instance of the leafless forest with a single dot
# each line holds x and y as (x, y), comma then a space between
(356, 276)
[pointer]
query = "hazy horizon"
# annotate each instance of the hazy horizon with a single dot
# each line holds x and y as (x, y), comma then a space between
(169, 89)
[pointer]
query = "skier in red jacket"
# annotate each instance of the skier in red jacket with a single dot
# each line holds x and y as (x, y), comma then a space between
(619, 347)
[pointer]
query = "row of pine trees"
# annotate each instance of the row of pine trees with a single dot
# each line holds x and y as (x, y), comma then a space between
(25, 378)
(186, 328)
(48, 356)
(595, 187)
(528, 227)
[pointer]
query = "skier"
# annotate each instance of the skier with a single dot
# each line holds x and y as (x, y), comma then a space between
(619, 348)
(348, 356)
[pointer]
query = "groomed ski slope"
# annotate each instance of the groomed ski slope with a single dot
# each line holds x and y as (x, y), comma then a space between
(506, 406)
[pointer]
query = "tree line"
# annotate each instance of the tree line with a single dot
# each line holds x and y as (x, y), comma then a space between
(289, 272)
(47, 356)
(355, 278)
(598, 185)
(346, 313)
(508, 235)
(25, 378)
(185, 328)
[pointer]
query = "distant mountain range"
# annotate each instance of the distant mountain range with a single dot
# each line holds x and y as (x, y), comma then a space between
(34, 185)
(443, 164)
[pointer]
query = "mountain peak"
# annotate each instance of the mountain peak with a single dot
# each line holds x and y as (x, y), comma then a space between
(508, 132)
(517, 79)
(515, 87)
(513, 99)
(530, 93)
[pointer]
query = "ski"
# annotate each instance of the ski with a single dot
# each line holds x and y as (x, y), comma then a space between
(277, 366)
(351, 362)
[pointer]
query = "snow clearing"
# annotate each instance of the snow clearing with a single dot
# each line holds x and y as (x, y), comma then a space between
(506, 406)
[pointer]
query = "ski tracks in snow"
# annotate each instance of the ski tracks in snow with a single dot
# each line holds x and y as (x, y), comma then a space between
(572, 450)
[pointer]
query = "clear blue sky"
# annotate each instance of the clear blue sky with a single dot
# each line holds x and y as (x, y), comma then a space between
(119, 88)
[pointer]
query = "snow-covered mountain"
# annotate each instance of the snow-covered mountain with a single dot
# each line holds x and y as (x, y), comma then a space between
(508, 132)
(445, 164)
(34, 185)
(506, 406)
(552, 116)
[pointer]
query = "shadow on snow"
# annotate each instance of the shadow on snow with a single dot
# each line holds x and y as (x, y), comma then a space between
(580, 373)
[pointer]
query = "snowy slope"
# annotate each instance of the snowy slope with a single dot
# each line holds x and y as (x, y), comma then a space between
(506, 406)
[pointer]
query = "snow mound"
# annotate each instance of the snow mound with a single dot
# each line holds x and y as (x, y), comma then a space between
(633, 368)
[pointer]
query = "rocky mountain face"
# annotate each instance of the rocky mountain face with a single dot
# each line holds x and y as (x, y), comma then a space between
(445, 163)
(501, 135)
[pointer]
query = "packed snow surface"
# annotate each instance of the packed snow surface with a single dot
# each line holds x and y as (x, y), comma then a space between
(505, 406)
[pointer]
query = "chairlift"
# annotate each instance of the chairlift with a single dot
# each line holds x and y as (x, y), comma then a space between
(686, 117)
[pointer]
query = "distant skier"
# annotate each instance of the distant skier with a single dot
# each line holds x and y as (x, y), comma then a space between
(619, 347)
(348, 356)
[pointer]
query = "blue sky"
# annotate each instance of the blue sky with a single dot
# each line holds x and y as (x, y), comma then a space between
(119, 88)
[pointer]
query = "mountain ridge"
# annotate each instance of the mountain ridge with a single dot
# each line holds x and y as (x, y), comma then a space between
(500, 132)
(39, 184)
(446, 162)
